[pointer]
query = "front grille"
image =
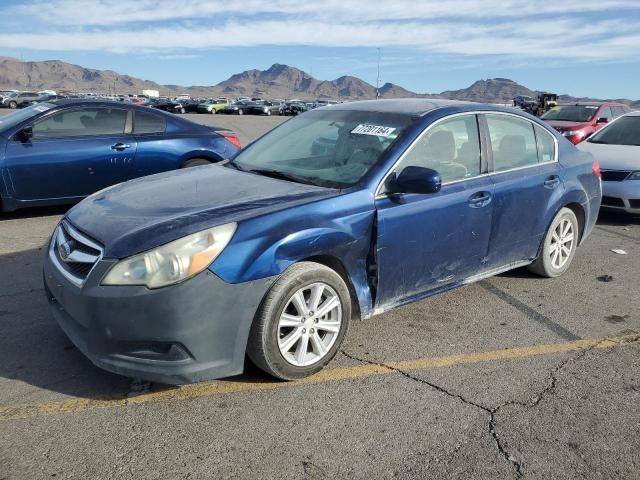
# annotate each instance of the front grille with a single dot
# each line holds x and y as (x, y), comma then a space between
(614, 175)
(73, 253)
(634, 203)
(612, 202)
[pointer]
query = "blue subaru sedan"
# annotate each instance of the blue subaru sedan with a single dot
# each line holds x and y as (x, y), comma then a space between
(343, 212)
(60, 152)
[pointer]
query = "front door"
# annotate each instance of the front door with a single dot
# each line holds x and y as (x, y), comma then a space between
(428, 241)
(73, 153)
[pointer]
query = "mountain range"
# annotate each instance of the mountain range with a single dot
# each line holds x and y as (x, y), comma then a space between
(278, 81)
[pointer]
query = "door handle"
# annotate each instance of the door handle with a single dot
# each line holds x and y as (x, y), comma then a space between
(552, 182)
(120, 146)
(480, 199)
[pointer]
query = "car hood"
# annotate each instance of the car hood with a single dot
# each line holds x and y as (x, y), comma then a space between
(562, 125)
(142, 214)
(613, 157)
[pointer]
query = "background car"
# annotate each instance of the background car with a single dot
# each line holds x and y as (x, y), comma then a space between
(19, 99)
(577, 121)
(213, 106)
(167, 105)
(294, 108)
(189, 105)
(58, 153)
(272, 254)
(617, 148)
(265, 107)
(236, 108)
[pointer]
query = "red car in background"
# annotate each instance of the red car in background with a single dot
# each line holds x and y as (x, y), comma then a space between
(576, 121)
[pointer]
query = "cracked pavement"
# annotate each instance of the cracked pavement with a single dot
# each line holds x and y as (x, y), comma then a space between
(389, 406)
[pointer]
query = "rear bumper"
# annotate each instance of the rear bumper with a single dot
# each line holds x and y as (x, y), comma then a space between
(190, 332)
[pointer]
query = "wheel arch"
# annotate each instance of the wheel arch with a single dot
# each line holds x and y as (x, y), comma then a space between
(205, 154)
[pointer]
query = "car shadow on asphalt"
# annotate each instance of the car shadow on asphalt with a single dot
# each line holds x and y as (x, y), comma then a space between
(617, 219)
(34, 212)
(34, 352)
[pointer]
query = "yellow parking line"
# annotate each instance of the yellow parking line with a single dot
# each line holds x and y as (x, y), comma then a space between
(221, 387)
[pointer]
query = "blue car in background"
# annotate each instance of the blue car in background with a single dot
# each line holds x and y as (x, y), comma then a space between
(60, 152)
(341, 212)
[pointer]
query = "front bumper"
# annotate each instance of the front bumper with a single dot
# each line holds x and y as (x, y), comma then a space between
(622, 196)
(193, 331)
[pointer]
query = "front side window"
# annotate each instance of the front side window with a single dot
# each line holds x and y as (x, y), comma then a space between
(450, 147)
(82, 122)
(606, 113)
(513, 143)
(333, 148)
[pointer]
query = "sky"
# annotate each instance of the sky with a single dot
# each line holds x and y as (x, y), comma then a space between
(578, 47)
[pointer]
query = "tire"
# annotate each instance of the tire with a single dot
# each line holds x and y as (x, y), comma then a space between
(13, 105)
(564, 231)
(265, 346)
(268, 112)
(240, 112)
(213, 111)
(196, 162)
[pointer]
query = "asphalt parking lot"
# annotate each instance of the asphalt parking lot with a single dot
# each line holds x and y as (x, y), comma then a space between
(512, 377)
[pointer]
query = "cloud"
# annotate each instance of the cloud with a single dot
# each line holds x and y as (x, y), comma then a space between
(472, 28)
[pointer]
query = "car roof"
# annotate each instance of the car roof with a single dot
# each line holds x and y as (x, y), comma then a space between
(410, 106)
(617, 104)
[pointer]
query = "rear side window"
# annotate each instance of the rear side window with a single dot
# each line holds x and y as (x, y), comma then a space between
(148, 123)
(451, 147)
(546, 145)
(513, 142)
(82, 122)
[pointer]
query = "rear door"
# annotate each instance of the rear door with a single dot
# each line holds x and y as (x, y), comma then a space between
(527, 186)
(73, 153)
(427, 241)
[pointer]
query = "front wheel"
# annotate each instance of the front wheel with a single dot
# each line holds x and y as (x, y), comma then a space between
(301, 323)
(13, 105)
(560, 244)
(240, 112)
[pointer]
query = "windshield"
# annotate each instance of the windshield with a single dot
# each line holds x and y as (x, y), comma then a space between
(624, 131)
(330, 148)
(571, 113)
(13, 119)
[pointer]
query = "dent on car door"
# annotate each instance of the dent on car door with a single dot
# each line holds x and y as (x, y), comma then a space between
(528, 186)
(73, 153)
(428, 241)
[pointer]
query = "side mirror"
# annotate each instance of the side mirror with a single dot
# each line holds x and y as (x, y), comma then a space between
(26, 134)
(416, 180)
(602, 120)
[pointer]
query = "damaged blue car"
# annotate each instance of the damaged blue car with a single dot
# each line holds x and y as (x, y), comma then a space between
(343, 212)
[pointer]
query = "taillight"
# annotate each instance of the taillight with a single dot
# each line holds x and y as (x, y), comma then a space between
(595, 167)
(232, 137)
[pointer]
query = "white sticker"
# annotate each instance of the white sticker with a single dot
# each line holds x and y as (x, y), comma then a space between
(375, 130)
(40, 108)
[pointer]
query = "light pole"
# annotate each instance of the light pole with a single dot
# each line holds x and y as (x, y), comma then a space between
(378, 77)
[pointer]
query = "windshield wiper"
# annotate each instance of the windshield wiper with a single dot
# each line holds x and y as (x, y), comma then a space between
(281, 175)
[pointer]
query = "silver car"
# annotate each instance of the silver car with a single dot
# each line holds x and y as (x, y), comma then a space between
(617, 148)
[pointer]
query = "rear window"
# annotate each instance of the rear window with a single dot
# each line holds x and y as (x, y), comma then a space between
(148, 123)
(571, 113)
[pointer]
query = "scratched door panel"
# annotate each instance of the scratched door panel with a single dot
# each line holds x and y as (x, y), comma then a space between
(425, 242)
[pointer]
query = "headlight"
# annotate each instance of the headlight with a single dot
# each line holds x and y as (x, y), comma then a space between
(572, 133)
(173, 262)
(634, 176)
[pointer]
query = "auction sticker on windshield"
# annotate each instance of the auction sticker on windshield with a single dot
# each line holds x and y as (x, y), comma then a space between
(375, 130)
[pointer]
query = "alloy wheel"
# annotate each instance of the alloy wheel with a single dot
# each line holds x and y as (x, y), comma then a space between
(561, 245)
(309, 324)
